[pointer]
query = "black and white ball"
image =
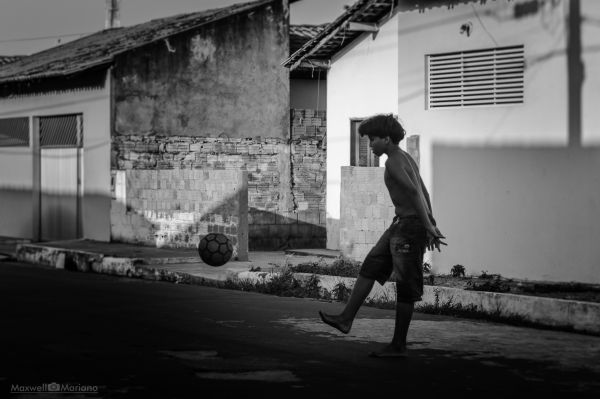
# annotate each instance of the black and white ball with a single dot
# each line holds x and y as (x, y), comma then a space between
(215, 249)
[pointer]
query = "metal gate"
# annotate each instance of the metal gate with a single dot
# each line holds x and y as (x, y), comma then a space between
(61, 139)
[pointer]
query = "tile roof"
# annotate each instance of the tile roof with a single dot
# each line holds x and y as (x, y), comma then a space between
(337, 35)
(300, 34)
(7, 59)
(100, 48)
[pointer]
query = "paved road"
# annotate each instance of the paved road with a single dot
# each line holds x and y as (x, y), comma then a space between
(136, 338)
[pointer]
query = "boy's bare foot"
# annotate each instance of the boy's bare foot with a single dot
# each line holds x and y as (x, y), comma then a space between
(336, 322)
(390, 351)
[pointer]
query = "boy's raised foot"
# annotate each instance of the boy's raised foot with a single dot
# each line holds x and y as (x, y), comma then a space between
(336, 322)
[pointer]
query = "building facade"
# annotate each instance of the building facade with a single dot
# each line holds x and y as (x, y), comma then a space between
(499, 97)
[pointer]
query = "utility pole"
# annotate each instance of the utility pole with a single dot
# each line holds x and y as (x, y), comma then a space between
(575, 71)
(112, 14)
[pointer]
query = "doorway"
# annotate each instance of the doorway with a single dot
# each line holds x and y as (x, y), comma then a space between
(61, 151)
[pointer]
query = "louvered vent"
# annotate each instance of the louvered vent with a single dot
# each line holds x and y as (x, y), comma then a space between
(476, 78)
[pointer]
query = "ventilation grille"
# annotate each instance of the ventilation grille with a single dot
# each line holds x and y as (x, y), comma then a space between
(60, 131)
(14, 132)
(476, 78)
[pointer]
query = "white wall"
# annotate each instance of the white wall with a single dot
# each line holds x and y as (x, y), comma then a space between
(527, 229)
(541, 120)
(16, 164)
(590, 37)
(528, 213)
(362, 81)
(16, 202)
(510, 192)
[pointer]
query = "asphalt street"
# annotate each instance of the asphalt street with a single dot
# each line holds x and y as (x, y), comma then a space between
(120, 337)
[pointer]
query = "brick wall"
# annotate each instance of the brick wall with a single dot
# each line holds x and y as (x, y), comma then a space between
(177, 207)
(286, 178)
(309, 182)
(366, 210)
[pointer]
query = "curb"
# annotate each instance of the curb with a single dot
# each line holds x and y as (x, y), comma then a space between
(90, 262)
(578, 316)
(583, 317)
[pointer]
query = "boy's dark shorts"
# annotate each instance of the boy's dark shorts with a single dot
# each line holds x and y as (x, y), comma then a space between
(400, 249)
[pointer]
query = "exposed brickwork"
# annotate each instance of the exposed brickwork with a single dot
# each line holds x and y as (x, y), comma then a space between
(176, 207)
(286, 205)
(366, 210)
(309, 167)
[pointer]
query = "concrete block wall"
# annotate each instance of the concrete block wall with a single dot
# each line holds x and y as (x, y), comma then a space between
(286, 205)
(177, 207)
(366, 210)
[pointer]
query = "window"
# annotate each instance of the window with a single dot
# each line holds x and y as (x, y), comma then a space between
(360, 151)
(61, 131)
(14, 132)
(488, 77)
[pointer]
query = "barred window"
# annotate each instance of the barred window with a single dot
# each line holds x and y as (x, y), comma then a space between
(14, 132)
(61, 131)
(360, 150)
(487, 77)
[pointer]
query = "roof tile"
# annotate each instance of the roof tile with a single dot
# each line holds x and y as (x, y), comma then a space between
(100, 48)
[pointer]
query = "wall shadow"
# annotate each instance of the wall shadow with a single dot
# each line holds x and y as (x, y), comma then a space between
(520, 212)
(279, 234)
(283, 232)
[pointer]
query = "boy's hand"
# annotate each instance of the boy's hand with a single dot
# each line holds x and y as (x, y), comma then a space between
(434, 239)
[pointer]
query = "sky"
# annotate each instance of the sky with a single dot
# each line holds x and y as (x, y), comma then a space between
(29, 26)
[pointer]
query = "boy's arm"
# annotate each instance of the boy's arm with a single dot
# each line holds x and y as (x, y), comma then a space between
(428, 200)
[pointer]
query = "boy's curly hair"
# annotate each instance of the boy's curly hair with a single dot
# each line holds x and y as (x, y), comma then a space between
(382, 125)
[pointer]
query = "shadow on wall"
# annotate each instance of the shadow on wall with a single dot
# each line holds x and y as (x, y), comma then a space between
(56, 217)
(171, 226)
(270, 231)
(16, 217)
(520, 212)
(175, 228)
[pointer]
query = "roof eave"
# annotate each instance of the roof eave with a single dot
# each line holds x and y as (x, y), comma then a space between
(109, 60)
(17, 79)
(310, 47)
(315, 43)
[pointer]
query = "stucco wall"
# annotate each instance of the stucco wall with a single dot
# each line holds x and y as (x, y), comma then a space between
(362, 81)
(520, 154)
(522, 212)
(590, 41)
(517, 156)
(218, 99)
(16, 164)
(222, 79)
(16, 197)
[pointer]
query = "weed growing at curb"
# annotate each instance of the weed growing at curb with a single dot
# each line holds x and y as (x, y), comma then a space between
(340, 267)
(281, 284)
(341, 293)
(286, 285)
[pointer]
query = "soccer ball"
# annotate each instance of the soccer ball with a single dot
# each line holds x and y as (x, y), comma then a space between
(215, 249)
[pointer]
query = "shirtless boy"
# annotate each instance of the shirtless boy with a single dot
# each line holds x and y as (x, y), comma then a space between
(402, 245)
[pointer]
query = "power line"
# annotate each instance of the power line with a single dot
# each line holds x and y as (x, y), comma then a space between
(483, 26)
(24, 39)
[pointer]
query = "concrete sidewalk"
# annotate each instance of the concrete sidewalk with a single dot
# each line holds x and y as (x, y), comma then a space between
(184, 266)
